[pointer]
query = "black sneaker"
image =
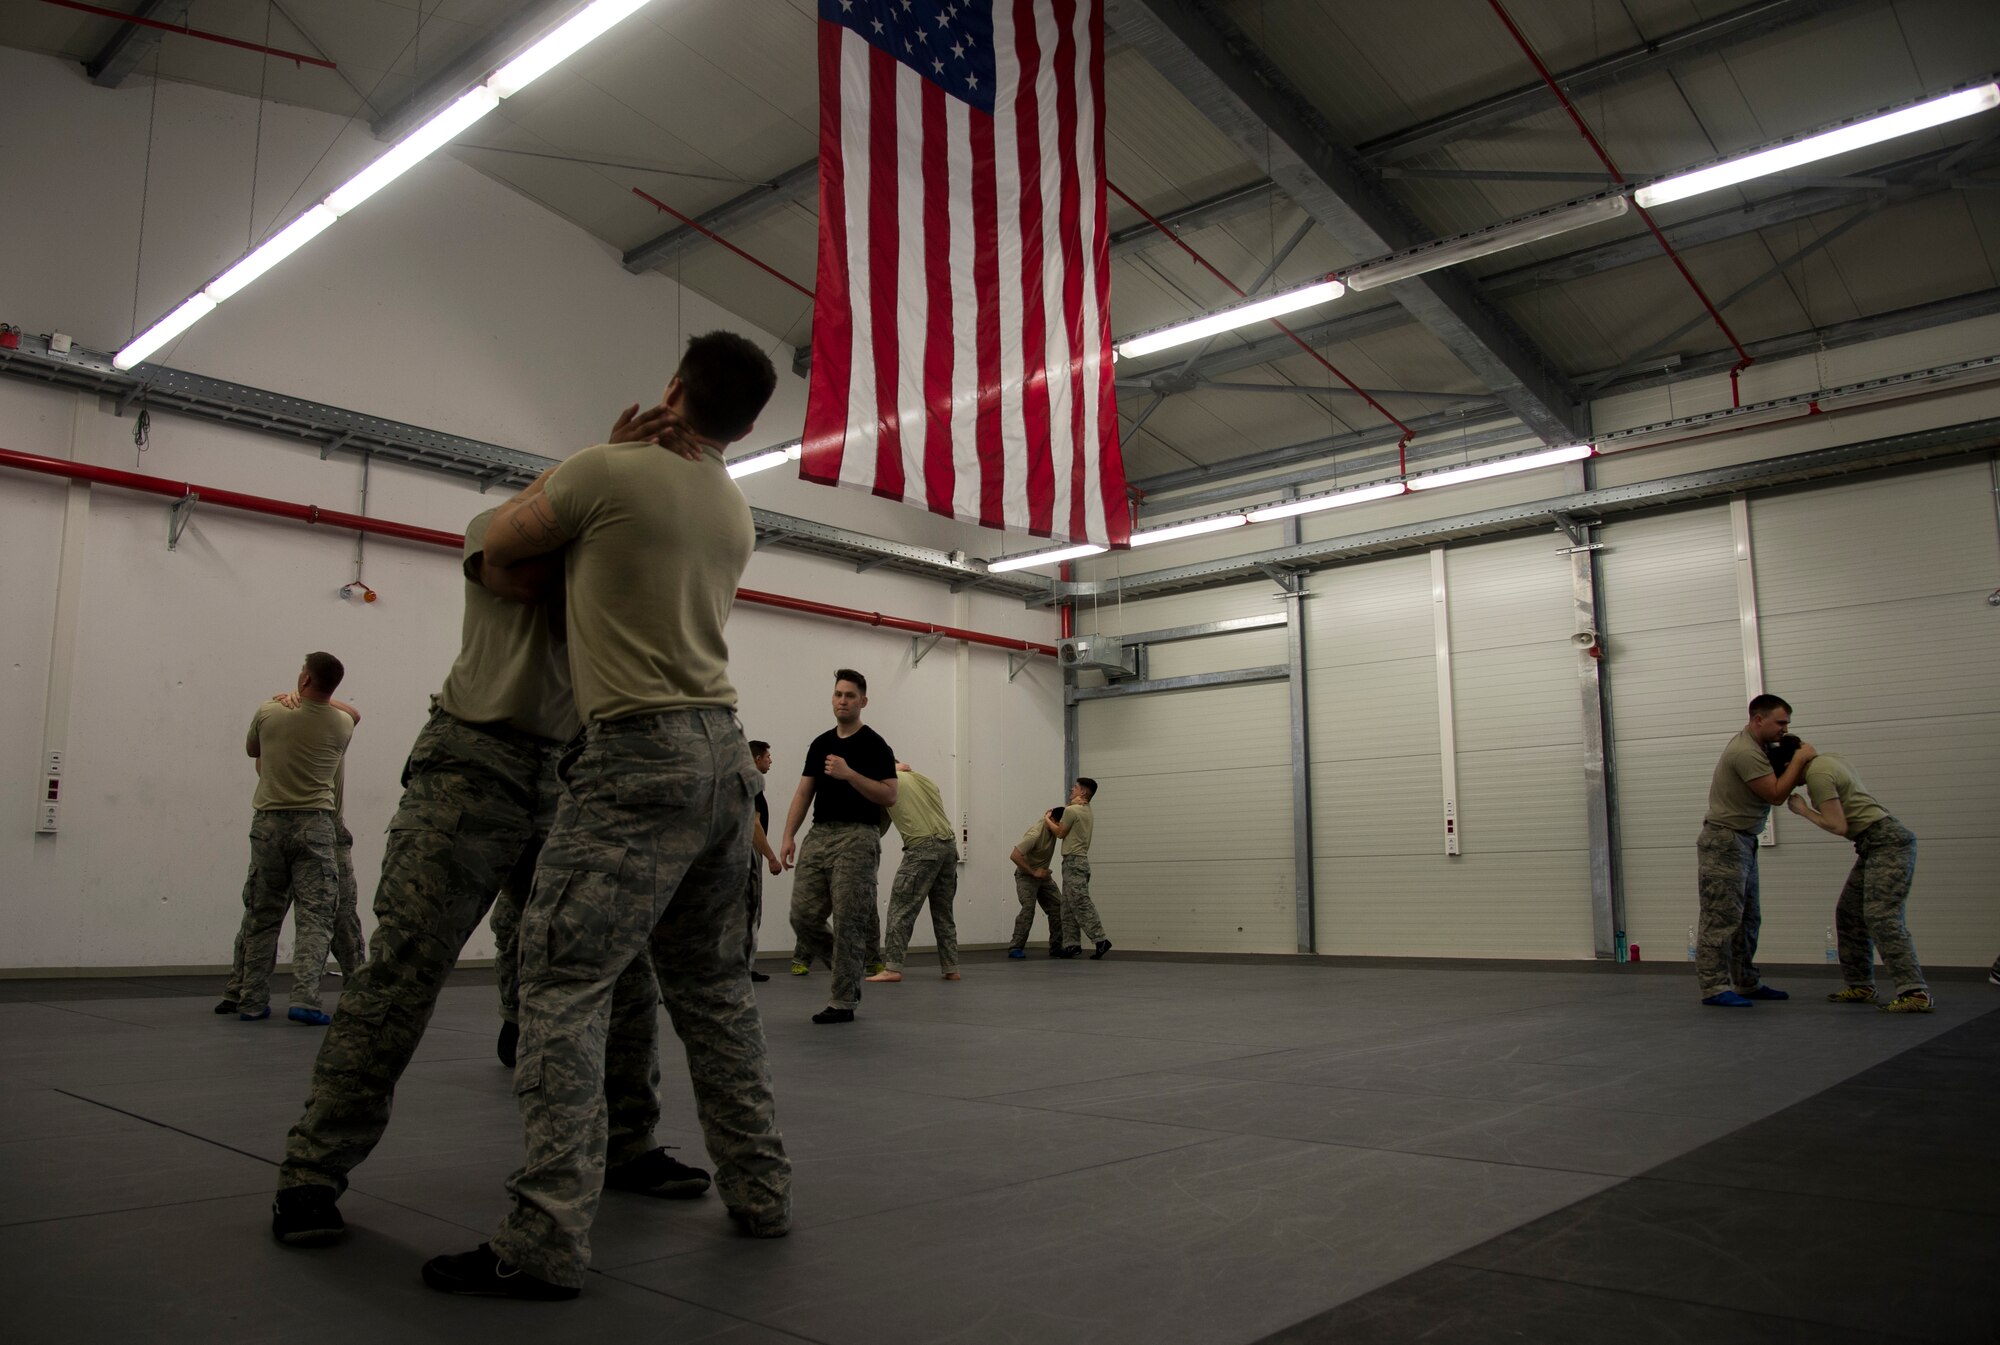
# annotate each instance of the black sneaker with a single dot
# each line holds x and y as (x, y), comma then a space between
(1103, 947)
(306, 1216)
(227, 1006)
(831, 1015)
(480, 1273)
(510, 1037)
(1055, 952)
(657, 1174)
(1072, 950)
(758, 976)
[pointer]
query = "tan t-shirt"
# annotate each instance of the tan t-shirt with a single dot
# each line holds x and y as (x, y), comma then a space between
(1730, 801)
(919, 809)
(1037, 844)
(657, 545)
(1076, 817)
(298, 755)
(511, 668)
(1831, 776)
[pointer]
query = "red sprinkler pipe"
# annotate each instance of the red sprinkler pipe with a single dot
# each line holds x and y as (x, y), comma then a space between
(1744, 359)
(715, 237)
(296, 58)
(311, 513)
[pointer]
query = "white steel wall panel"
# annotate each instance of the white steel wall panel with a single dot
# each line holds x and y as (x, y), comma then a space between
(1674, 676)
(1194, 817)
(1249, 649)
(1876, 628)
(1482, 904)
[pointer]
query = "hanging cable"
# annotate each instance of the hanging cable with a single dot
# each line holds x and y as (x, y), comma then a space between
(1744, 359)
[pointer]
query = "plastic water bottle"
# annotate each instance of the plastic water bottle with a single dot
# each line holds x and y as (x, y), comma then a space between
(1691, 943)
(1832, 948)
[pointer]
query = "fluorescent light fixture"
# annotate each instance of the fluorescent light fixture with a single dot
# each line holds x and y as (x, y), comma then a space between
(1173, 532)
(765, 459)
(274, 250)
(1856, 134)
(580, 31)
(1463, 248)
(413, 149)
(196, 307)
(1519, 462)
(584, 26)
(1022, 562)
(1228, 319)
(1335, 499)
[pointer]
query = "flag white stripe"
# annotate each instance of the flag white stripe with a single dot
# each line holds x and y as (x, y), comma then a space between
(858, 462)
(1007, 224)
(1056, 348)
(912, 285)
(964, 314)
(1087, 227)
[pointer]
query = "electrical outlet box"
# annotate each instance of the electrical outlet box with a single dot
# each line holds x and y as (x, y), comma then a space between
(45, 820)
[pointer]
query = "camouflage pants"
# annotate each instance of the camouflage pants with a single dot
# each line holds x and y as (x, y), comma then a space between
(350, 950)
(1869, 916)
(648, 851)
(1033, 892)
(1079, 912)
(756, 899)
(835, 879)
(505, 919)
(928, 872)
(471, 820)
(291, 868)
(1726, 867)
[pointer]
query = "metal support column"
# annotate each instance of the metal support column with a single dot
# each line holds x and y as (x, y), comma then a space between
(1746, 609)
(1302, 837)
(1447, 731)
(1607, 897)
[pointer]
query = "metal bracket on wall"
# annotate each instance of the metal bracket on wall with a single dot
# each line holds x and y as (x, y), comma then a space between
(1578, 532)
(921, 645)
(1017, 662)
(178, 516)
(1290, 580)
(335, 444)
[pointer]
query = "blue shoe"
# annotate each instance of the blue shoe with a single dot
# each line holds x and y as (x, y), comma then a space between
(1766, 992)
(310, 1017)
(258, 1016)
(1729, 999)
(1022, 952)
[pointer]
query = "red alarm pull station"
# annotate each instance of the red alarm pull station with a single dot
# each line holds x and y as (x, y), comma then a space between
(10, 337)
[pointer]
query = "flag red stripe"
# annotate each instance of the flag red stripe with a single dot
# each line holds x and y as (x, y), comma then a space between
(940, 479)
(1034, 338)
(1110, 457)
(986, 281)
(1069, 225)
(883, 264)
(833, 317)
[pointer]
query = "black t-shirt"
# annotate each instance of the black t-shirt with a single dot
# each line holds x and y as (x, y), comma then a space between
(763, 813)
(871, 759)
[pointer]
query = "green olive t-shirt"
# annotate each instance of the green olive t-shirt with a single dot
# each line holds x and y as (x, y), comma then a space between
(298, 755)
(1731, 803)
(511, 668)
(919, 809)
(657, 545)
(1830, 776)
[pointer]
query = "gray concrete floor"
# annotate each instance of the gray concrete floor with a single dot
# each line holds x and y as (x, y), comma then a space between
(1143, 1150)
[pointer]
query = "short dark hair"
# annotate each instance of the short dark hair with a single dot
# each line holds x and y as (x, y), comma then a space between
(727, 380)
(758, 747)
(1088, 784)
(849, 675)
(1782, 751)
(1764, 704)
(325, 671)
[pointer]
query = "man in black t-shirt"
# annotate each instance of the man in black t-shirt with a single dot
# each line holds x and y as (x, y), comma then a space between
(849, 779)
(760, 753)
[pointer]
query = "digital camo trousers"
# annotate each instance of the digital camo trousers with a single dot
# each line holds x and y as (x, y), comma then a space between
(1079, 912)
(835, 880)
(1726, 869)
(1869, 916)
(505, 919)
(928, 872)
(292, 867)
(350, 950)
(648, 851)
(1034, 892)
(471, 819)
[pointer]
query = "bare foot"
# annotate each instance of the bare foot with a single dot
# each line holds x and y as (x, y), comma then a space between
(886, 976)
(951, 976)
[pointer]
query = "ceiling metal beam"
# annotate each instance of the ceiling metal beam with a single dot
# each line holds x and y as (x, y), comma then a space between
(1215, 65)
(1676, 48)
(129, 47)
(794, 184)
(1219, 209)
(1789, 471)
(1270, 459)
(473, 65)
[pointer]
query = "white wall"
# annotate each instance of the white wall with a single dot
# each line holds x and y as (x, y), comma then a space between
(448, 302)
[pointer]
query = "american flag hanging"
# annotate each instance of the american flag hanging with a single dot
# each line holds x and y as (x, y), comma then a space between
(961, 355)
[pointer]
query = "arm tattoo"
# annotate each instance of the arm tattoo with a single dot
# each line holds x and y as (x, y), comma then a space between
(537, 523)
